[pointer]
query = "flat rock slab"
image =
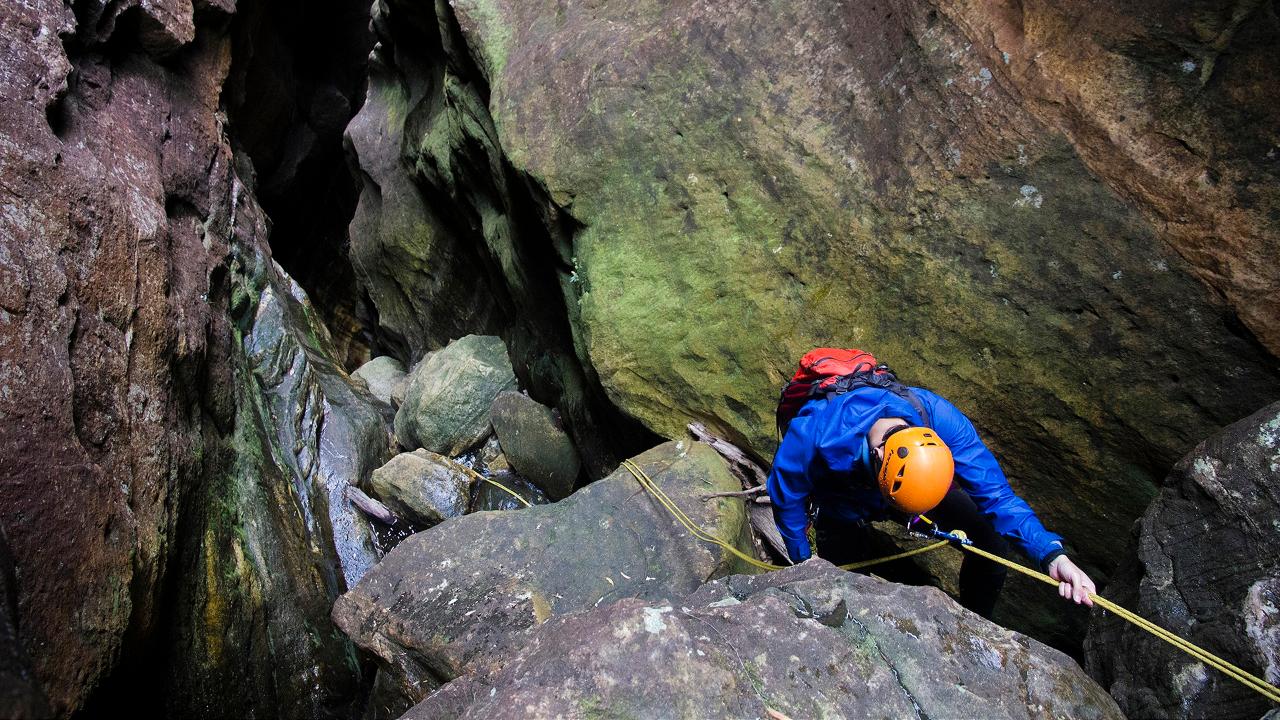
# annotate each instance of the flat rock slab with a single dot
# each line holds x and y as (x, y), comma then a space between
(468, 586)
(809, 641)
(423, 487)
(446, 405)
(534, 444)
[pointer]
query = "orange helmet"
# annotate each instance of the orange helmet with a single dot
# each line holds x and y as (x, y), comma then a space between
(916, 472)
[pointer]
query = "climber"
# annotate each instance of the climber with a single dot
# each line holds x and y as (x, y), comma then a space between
(841, 416)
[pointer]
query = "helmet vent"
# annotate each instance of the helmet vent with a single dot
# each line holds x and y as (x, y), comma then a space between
(896, 485)
(901, 470)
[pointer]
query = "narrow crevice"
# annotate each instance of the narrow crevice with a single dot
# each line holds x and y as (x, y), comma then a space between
(298, 76)
(540, 339)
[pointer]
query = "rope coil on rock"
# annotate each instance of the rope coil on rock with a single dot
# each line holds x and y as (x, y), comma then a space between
(1266, 689)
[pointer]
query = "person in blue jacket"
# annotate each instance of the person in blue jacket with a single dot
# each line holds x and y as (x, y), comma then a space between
(827, 465)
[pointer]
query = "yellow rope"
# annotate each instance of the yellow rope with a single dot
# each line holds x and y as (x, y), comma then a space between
(647, 483)
(1271, 692)
(504, 489)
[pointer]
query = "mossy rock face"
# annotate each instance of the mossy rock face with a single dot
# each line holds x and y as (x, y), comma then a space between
(534, 444)
(745, 183)
(446, 405)
(270, 540)
(472, 585)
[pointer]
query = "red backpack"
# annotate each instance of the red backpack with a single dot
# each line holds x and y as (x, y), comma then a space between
(831, 371)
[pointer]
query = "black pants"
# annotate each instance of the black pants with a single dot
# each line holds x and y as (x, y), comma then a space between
(980, 579)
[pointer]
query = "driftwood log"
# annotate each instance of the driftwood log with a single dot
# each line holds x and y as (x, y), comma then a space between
(753, 477)
(369, 506)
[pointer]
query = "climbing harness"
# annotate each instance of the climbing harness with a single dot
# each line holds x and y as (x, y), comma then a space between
(955, 537)
(960, 540)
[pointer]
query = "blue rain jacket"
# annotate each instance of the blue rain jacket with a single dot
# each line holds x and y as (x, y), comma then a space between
(824, 459)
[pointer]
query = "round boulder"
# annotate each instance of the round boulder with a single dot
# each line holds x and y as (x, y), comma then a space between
(381, 375)
(446, 405)
(423, 487)
(534, 444)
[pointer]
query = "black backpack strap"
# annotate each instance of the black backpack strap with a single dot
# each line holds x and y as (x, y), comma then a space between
(882, 377)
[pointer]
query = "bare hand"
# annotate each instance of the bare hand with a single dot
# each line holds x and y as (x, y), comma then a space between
(1073, 583)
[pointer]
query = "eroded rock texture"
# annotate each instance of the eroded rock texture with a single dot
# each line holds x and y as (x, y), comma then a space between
(1205, 567)
(810, 641)
(1034, 209)
(175, 430)
(20, 694)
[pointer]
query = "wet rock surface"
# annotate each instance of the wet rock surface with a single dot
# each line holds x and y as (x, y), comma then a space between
(534, 444)
(808, 641)
(1203, 566)
(466, 587)
(170, 402)
(487, 497)
(446, 404)
(423, 487)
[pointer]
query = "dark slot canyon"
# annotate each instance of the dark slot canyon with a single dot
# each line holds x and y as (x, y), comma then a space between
(298, 75)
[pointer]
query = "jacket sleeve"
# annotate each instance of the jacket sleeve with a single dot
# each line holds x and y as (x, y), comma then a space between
(981, 477)
(789, 486)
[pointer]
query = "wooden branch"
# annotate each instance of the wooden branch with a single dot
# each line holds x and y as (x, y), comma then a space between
(748, 493)
(753, 478)
(369, 506)
(746, 469)
(767, 530)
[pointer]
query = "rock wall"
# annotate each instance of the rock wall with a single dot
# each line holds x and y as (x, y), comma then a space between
(1202, 564)
(994, 199)
(176, 428)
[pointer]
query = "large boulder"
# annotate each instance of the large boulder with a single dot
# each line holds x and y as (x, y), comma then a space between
(806, 642)
(381, 375)
(446, 405)
(534, 444)
(1205, 566)
(1036, 211)
(423, 487)
(467, 587)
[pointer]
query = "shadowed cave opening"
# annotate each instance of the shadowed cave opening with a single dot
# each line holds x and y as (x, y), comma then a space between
(298, 76)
